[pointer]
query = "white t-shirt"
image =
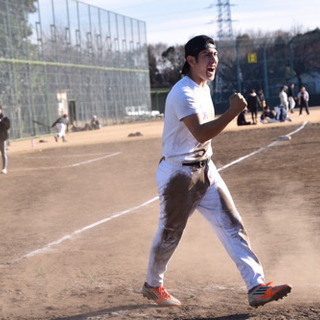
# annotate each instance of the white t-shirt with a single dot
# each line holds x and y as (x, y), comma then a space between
(186, 98)
(284, 99)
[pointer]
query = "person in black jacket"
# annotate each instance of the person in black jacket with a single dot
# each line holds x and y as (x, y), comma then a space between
(241, 120)
(253, 105)
(4, 127)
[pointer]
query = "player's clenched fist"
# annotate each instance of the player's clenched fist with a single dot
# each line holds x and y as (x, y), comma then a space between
(237, 102)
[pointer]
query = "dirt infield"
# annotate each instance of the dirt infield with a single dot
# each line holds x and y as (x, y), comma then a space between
(77, 220)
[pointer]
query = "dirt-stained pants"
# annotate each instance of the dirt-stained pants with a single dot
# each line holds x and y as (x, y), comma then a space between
(182, 190)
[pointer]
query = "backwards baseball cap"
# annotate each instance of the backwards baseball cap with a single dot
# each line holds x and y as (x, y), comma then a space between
(194, 46)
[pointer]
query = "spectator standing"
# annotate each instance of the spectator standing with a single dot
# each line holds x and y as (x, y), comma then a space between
(262, 99)
(253, 105)
(291, 96)
(284, 98)
(303, 100)
(4, 127)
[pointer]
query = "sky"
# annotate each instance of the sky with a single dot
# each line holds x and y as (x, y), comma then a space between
(176, 21)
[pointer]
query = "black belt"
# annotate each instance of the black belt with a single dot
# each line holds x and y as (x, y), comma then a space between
(198, 164)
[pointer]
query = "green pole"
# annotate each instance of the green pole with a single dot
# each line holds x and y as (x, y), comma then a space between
(238, 70)
(265, 71)
(291, 62)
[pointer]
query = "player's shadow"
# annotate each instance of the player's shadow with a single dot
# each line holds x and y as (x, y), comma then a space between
(243, 316)
(108, 311)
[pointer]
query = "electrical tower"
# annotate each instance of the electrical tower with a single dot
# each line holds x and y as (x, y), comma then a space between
(224, 20)
(225, 33)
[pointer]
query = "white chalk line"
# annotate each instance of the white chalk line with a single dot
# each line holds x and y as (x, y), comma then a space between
(117, 215)
(74, 155)
(261, 149)
(69, 165)
(67, 237)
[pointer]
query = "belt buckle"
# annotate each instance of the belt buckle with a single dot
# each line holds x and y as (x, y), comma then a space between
(202, 163)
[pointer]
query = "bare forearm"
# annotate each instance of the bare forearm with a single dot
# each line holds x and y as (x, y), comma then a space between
(206, 131)
(211, 129)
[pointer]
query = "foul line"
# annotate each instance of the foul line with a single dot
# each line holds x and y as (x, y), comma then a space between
(74, 155)
(261, 149)
(69, 165)
(119, 214)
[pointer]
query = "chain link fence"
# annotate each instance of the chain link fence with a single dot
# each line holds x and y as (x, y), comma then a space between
(70, 57)
(263, 63)
(268, 64)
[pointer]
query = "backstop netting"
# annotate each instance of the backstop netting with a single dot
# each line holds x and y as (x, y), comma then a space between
(69, 57)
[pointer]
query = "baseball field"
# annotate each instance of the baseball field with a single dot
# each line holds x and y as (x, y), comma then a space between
(78, 218)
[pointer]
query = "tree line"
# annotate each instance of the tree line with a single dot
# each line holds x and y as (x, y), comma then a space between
(280, 58)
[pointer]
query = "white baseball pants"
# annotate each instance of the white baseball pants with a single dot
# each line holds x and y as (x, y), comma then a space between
(292, 103)
(61, 129)
(182, 190)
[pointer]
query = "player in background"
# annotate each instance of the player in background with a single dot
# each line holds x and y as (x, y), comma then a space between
(4, 127)
(62, 125)
(187, 179)
(95, 123)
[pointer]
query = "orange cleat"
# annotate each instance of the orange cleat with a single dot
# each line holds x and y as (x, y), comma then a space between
(264, 293)
(160, 295)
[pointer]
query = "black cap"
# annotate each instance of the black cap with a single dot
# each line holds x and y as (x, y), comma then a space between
(194, 46)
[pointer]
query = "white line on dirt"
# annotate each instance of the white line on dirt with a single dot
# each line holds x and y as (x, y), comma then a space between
(117, 215)
(74, 155)
(69, 165)
(261, 149)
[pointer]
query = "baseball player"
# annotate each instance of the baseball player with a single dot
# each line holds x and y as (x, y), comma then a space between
(187, 179)
(95, 123)
(62, 125)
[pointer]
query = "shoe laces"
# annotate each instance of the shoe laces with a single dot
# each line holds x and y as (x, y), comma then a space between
(268, 284)
(163, 292)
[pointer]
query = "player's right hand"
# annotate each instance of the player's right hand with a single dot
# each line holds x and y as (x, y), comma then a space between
(237, 102)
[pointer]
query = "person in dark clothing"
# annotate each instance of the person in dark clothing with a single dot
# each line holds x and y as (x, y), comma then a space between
(253, 105)
(241, 120)
(268, 116)
(262, 99)
(303, 100)
(4, 127)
